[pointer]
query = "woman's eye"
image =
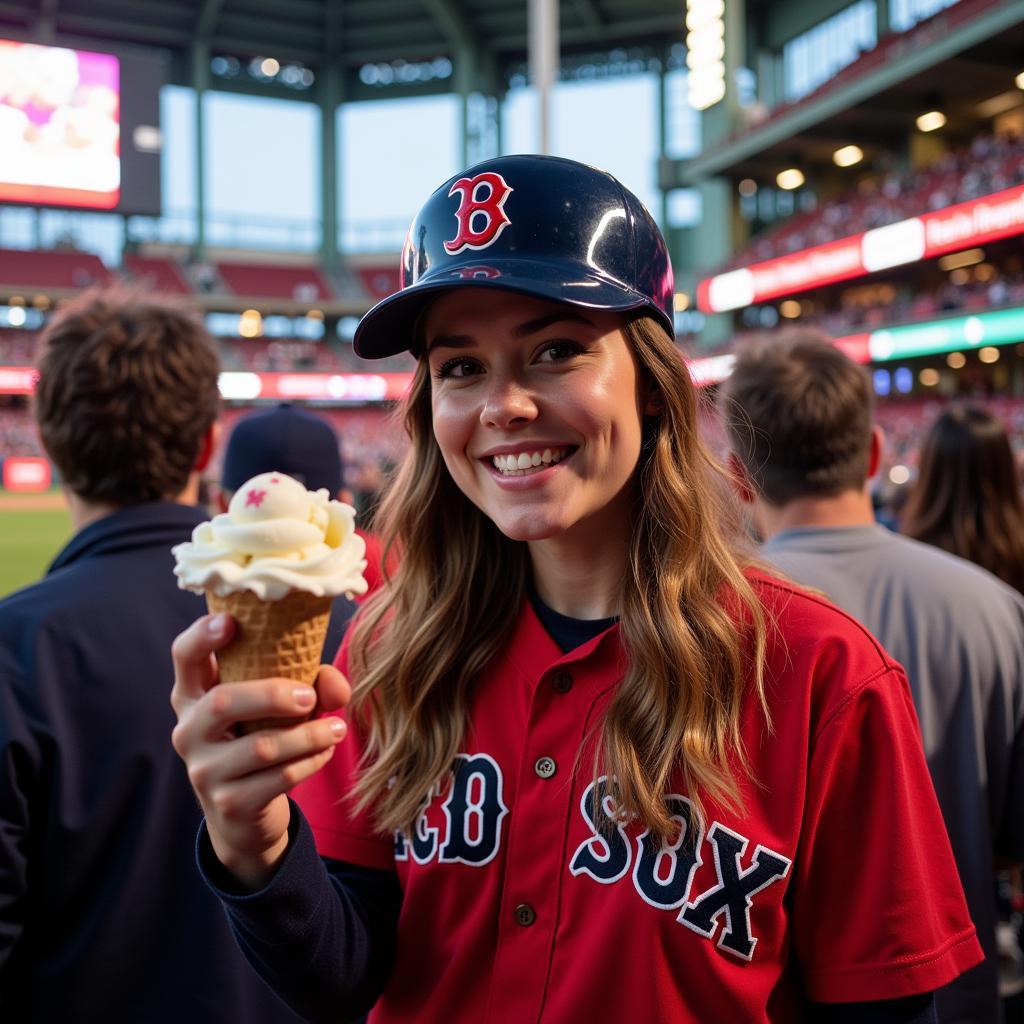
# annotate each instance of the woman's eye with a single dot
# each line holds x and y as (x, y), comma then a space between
(457, 368)
(556, 351)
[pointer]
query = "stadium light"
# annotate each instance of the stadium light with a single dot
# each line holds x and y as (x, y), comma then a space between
(681, 302)
(989, 354)
(930, 121)
(928, 377)
(847, 156)
(270, 66)
(956, 360)
(790, 309)
(705, 52)
(790, 178)
(250, 324)
(1019, 81)
(747, 187)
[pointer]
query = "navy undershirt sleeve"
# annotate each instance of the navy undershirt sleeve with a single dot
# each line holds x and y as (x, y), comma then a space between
(321, 933)
(908, 1010)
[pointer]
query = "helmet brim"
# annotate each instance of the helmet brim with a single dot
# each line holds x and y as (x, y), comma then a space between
(390, 326)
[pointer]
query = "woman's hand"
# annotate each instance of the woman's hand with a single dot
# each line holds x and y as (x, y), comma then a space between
(241, 781)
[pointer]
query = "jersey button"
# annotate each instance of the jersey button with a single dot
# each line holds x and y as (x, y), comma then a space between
(525, 915)
(561, 682)
(545, 767)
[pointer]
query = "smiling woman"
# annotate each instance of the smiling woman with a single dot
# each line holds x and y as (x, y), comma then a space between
(597, 765)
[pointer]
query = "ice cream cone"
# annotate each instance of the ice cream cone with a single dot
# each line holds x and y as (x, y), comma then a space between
(275, 561)
(272, 638)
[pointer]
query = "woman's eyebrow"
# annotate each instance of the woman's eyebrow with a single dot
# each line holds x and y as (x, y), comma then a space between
(450, 341)
(522, 331)
(533, 326)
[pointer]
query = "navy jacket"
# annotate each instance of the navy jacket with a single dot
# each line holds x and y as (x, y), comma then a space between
(103, 915)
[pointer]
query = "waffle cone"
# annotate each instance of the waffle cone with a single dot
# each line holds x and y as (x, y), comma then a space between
(272, 638)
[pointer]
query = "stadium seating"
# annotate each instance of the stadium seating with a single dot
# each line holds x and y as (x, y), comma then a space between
(379, 282)
(161, 275)
(43, 269)
(266, 281)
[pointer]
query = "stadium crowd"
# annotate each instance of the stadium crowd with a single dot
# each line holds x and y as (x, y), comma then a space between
(989, 164)
(967, 290)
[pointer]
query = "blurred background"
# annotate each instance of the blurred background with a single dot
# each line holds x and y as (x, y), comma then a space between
(854, 166)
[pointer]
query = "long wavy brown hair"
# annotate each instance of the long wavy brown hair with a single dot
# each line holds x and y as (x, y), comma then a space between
(967, 498)
(692, 626)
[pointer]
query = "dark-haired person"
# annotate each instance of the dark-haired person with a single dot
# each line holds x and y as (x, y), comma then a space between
(967, 497)
(798, 414)
(596, 765)
(101, 916)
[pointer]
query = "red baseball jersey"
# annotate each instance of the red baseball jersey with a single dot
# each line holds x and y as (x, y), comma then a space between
(834, 883)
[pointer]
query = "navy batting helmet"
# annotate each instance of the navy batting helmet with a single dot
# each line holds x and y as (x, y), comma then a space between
(548, 227)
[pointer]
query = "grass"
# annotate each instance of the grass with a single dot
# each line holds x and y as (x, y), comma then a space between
(30, 536)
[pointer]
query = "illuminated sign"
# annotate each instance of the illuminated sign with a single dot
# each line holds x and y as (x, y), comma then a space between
(710, 369)
(999, 327)
(17, 380)
(705, 52)
(1000, 215)
(341, 388)
(27, 474)
(59, 126)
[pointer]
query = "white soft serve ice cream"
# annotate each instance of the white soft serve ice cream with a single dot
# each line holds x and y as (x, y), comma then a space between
(275, 537)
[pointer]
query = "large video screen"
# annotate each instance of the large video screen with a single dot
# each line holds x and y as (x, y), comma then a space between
(60, 126)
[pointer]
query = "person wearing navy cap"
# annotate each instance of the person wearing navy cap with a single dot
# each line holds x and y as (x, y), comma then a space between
(303, 446)
(595, 764)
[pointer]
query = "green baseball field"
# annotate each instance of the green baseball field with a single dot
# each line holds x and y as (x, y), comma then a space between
(33, 528)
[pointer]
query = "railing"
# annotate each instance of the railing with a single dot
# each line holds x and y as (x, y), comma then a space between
(107, 233)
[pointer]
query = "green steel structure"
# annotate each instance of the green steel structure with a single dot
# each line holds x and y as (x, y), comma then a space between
(800, 78)
(881, 62)
(351, 50)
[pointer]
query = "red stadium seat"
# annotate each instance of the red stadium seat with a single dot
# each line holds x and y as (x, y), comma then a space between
(159, 275)
(266, 281)
(379, 282)
(52, 268)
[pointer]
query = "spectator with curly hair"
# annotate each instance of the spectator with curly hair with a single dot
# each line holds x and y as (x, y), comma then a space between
(101, 911)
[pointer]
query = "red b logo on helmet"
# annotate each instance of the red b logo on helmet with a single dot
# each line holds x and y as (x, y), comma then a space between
(481, 219)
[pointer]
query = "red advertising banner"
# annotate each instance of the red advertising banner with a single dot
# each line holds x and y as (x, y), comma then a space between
(992, 217)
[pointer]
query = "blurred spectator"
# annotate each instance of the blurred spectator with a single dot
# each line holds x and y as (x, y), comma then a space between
(18, 433)
(17, 348)
(967, 498)
(102, 911)
(798, 415)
